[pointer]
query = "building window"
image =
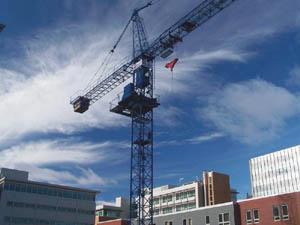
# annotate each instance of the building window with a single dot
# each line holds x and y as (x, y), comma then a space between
(256, 216)
(170, 223)
(285, 212)
(166, 223)
(167, 198)
(190, 222)
(207, 222)
(191, 193)
(248, 217)
(184, 222)
(167, 210)
(276, 213)
(224, 219)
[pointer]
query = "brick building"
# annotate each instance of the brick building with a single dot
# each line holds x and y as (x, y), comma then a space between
(216, 188)
(281, 209)
(278, 210)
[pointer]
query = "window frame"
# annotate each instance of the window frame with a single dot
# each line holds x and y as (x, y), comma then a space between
(278, 217)
(206, 220)
(284, 217)
(223, 222)
(249, 221)
(256, 220)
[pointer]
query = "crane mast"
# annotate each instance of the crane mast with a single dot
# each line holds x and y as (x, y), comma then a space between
(140, 106)
(138, 99)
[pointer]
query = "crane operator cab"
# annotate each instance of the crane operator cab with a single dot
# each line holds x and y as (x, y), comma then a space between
(81, 104)
(128, 91)
(141, 80)
(134, 99)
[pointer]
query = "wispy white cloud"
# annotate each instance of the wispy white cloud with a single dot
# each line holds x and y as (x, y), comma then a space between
(40, 102)
(251, 112)
(34, 96)
(46, 152)
(168, 175)
(194, 140)
(169, 116)
(191, 69)
(294, 77)
(204, 138)
(34, 92)
(43, 160)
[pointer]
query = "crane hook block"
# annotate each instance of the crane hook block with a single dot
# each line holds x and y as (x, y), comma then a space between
(81, 104)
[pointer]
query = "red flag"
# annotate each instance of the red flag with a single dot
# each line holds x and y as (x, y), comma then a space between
(171, 64)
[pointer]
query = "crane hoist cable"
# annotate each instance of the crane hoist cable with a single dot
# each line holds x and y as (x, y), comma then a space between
(106, 61)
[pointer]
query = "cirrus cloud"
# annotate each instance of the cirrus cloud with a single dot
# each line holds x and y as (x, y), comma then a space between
(50, 161)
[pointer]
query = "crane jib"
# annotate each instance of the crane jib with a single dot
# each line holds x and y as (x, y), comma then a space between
(162, 46)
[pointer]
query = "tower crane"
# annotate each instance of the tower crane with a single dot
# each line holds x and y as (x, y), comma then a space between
(138, 100)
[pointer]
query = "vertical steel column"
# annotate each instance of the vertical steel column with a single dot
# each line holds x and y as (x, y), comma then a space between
(141, 178)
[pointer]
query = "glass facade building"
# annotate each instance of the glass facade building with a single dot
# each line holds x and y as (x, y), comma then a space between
(276, 173)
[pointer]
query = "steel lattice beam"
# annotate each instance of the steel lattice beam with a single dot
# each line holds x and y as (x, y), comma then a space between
(168, 39)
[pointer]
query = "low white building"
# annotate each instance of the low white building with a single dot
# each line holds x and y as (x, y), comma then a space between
(168, 199)
(276, 173)
(110, 211)
(33, 203)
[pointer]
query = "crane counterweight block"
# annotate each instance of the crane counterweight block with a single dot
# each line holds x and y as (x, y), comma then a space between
(81, 104)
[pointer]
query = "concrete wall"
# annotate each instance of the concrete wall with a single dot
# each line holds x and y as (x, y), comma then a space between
(198, 215)
(124, 205)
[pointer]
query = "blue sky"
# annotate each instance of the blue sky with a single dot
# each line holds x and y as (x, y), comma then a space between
(235, 93)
